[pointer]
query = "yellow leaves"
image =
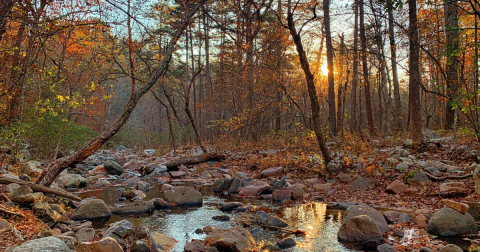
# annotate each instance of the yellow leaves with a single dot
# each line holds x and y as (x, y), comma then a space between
(92, 87)
(60, 98)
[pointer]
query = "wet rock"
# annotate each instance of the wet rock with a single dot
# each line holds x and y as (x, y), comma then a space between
(461, 207)
(341, 205)
(71, 181)
(50, 243)
(209, 229)
(287, 243)
(160, 203)
(221, 185)
(362, 184)
(121, 228)
(253, 190)
(417, 178)
(139, 246)
(92, 210)
(194, 246)
(375, 215)
(178, 174)
(272, 172)
(397, 187)
(233, 239)
(141, 232)
(451, 248)
(391, 216)
(143, 186)
(449, 222)
(453, 188)
(230, 206)
(404, 218)
(269, 219)
(221, 218)
(362, 230)
(135, 208)
(113, 167)
(281, 195)
(106, 244)
(386, 248)
(166, 187)
(160, 242)
(71, 242)
(183, 196)
(45, 212)
(85, 234)
(134, 195)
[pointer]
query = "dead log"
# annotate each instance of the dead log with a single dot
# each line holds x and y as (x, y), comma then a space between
(197, 159)
(435, 178)
(3, 210)
(39, 188)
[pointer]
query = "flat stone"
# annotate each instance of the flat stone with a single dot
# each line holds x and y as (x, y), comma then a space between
(386, 248)
(230, 206)
(183, 196)
(135, 208)
(194, 246)
(269, 219)
(233, 239)
(272, 172)
(281, 195)
(391, 216)
(121, 228)
(160, 203)
(178, 174)
(85, 234)
(94, 209)
(417, 178)
(160, 242)
(461, 207)
(106, 244)
(397, 187)
(322, 187)
(253, 190)
(362, 184)
(50, 244)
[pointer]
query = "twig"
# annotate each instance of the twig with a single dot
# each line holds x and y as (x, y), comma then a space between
(11, 212)
(6, 197)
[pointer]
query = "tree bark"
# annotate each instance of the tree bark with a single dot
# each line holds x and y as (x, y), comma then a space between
(452, 50)
(6, 7)
(393, 52)
(332, 120)
(39, 188)
(353, 98)
(55, 168)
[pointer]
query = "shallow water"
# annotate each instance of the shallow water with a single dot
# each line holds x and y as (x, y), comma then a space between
(320, 224)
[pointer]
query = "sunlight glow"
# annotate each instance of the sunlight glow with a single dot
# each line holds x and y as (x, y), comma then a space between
(324, 69)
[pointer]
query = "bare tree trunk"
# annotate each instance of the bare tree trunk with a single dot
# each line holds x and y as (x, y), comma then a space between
(393, 51)
(332, 121)
(312, 92)
(414, 78)
(363, 42)
(452, 50)
(55, 168)
(353, 98)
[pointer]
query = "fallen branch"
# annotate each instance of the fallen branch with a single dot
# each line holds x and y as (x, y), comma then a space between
(174, 164)
(39, 188)
(3, 210)
(435, 178)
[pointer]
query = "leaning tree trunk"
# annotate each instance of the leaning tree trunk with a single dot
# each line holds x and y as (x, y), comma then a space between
(55, 168)
(332, 121)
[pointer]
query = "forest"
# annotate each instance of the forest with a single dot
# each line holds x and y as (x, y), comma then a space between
(296, 125)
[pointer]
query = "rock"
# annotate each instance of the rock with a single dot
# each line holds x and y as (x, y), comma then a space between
(429, 134)
(462, 208)
(402, 167)
(449, 222)
(5, 149)
(221, 185)
(194, 246)
(375, 215)
(4, 224)
(230, 206)
(411, 191)
(333, 167)
(87, 224)
(98, 170)
(281, 195)
(106, 244)
(85, 234)
(474, 210)
(139, 246)
(46, 244)
(398, 232)
(178, 174)
(71, 181)
(386, 248)
(272, 172)
(297, 192)
(233, 239)
(453, 188)
(417, 178)
(58, 208)
(362, 184)
(408, 143)
(391, 216)
(434, 171)
(344, 178)
(253, 190)
(421, 220)
(160, 242)
(25, 177)
(235, 186)
(71, 242)
(113, 167)
(121, 228)
(221, 218)
(52, 232)
(269, 219)
(135, 208)
(12, 187)
(94, 209)
(397, 187)
(404, 218)
(134, 195)
(322, 187)
(160, 203)
(45, 212)
(425, 249)
(141, 232)
(209, 229)
(30, 168)
(451, 248)
(287, 243)
(22, 195)
(362, 230)
(183, 196)
(149, 152)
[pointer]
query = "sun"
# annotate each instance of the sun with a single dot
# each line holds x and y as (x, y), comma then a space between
(324, 69)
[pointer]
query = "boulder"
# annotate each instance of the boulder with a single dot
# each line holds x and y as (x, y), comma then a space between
(94, 209)
(106, 244)
(121, 228)
(272, 172)
(461, 207)
(183, 196)
(474, 210)
(253, 190)
(230, 206)
(160, 242)
(451, 248)
(386, 248)
(362, 230)
(71, 242)
(113, 167)
(85, 234)
(281, 195)
(221, 184)
(236, 239)
(269, 219)
(417, 178)
(235, 185)
(135, 208)
(45, 212)
(391, 216)
(50, 244)
(449, 222)
(160, 203)
(429, 134)
(22, 195)
(287, 243)
(362, 184)
(194, 246)
(139, 246)
(376, 216)
(404, 218)
(397, 187)
(71, 181)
